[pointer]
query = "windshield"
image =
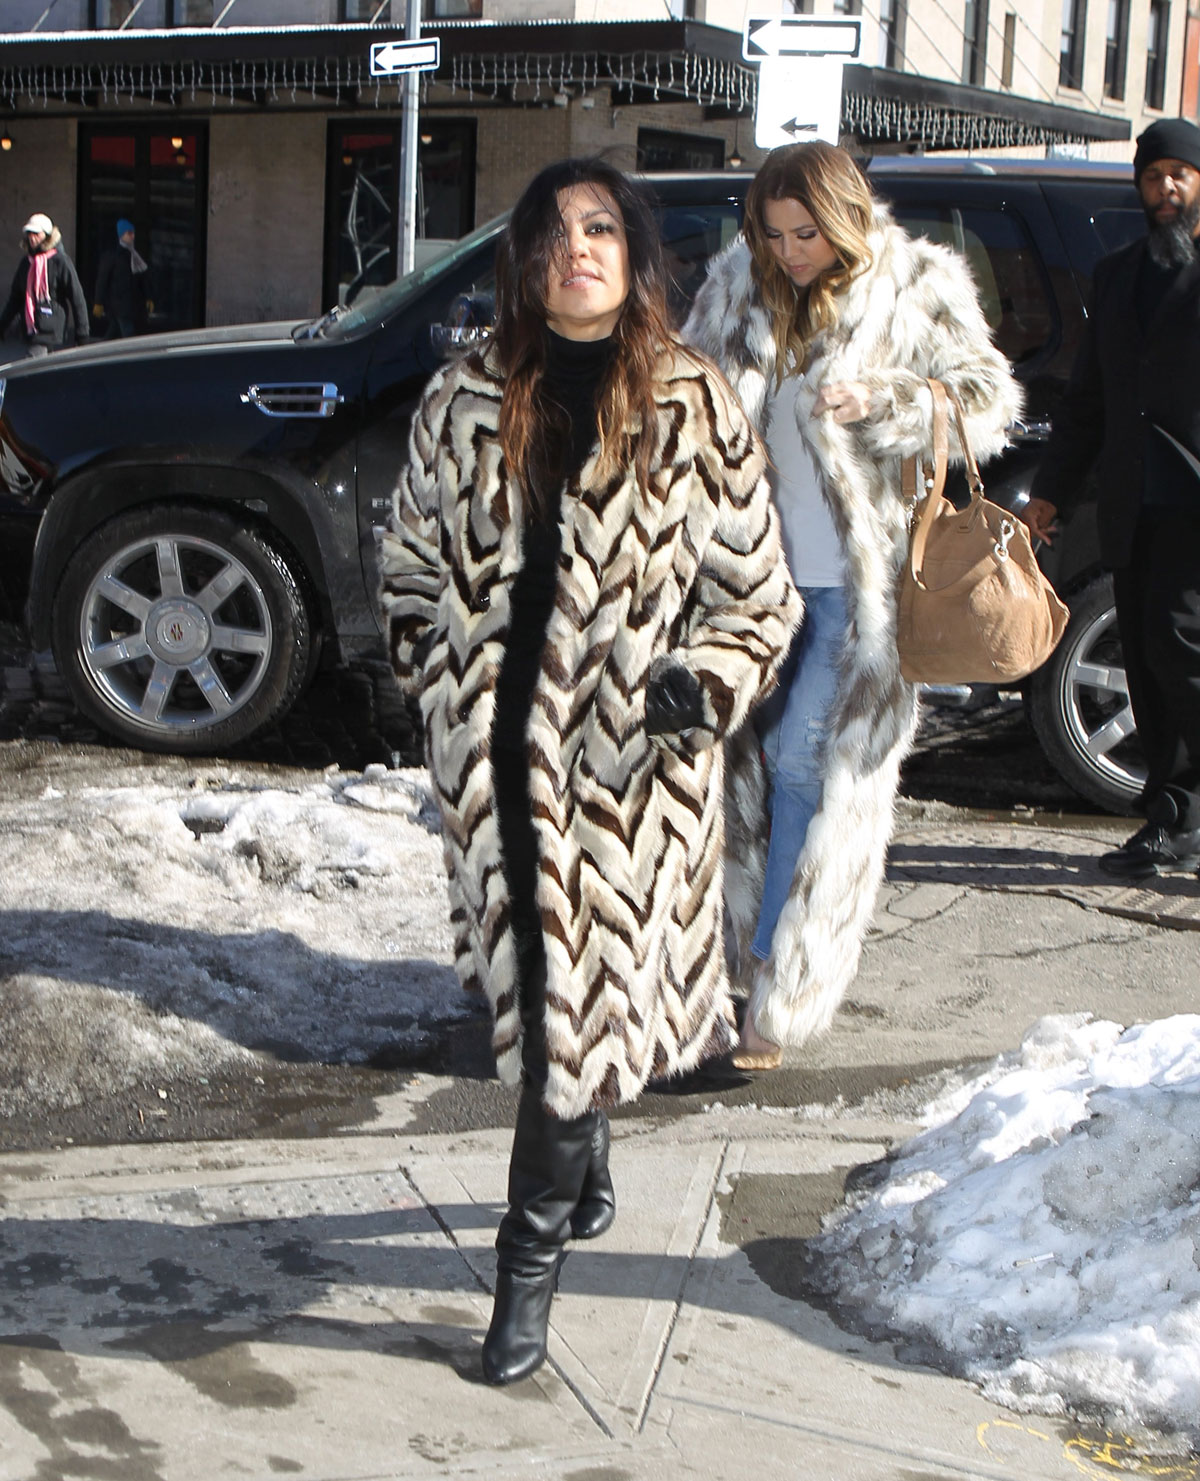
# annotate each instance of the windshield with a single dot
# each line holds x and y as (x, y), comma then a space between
(380, 302)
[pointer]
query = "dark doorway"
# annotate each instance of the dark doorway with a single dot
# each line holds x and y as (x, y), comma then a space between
(363, 179)
(156, 176)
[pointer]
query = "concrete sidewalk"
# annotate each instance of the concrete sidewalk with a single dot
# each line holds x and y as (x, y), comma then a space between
(315, 1308)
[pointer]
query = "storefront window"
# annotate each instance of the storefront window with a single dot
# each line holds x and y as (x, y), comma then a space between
(665, 149)
(364, 166)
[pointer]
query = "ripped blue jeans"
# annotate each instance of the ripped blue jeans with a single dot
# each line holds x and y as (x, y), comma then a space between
(792, 726)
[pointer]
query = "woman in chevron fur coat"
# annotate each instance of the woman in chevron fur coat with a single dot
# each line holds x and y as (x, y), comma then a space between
(827, 318)
(582, 582)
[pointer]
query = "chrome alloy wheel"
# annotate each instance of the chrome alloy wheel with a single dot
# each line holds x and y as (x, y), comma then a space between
(175, 632)
(1095, 704)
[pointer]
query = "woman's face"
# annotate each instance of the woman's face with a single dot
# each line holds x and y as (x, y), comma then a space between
(589, 273)
(794, 238)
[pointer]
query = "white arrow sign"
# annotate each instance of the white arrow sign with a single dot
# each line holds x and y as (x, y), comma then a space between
(798, 99)
(390, 57)
(798, 36)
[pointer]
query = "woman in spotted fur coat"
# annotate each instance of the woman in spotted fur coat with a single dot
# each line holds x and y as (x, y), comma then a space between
(582, 583)
(827, 319)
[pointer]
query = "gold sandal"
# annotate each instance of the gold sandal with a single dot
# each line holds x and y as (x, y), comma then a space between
(756, 1053)
(755, 1059)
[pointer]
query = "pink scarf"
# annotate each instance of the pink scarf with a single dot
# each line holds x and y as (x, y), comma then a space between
(37, 286)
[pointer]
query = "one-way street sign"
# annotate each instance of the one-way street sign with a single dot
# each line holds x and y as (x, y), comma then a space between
(799, 98)
(390, 57)
(798, 36)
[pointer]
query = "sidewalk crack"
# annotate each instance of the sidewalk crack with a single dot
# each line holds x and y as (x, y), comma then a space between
(660, 1356)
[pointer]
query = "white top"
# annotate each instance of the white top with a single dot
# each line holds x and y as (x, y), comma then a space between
(810, 541)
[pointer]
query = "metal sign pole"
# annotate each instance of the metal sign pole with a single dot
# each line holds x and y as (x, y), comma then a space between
(406, 204)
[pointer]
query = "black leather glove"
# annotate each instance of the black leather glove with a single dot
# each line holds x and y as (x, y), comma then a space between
(674, 701)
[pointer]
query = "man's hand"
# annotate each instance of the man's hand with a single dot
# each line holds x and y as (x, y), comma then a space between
(1039, 515)
(97, 311)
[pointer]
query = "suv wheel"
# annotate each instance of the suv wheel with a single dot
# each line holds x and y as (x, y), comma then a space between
(1078, 705)
(176, 629)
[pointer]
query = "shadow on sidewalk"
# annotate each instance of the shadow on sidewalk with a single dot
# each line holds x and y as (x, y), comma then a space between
(993, 867)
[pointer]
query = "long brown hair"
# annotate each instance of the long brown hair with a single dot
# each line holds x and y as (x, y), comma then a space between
(626, 419)
(834, 191)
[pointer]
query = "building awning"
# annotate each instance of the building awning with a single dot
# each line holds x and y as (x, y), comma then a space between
(660, 60)
(881, 105)
(264, 66)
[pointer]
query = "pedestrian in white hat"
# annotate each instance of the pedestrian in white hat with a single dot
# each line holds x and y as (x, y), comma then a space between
(45, 288)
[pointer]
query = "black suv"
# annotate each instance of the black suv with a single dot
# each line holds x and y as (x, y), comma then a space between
(189, 520)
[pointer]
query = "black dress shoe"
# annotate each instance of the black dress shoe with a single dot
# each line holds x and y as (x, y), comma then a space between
(1152, 850)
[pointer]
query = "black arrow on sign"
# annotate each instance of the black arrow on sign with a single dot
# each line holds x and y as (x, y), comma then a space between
(796, 127)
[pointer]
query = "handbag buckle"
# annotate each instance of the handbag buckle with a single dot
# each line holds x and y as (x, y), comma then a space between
(1007, 531)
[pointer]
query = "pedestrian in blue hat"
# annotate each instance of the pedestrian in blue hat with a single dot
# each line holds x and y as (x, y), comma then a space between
(121, 281)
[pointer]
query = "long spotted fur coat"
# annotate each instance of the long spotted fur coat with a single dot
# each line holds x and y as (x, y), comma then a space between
(630, 832)
(913, 313)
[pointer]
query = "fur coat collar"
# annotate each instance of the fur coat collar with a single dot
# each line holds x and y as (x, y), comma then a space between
(913, 313)
(630, 832)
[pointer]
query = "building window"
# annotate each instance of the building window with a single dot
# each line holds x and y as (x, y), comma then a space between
(1156, 53)
(975, 24)
(891, 33)
(802, 7)
(1116, 46)
(190, 13)
(847, 7)
(1070, 52)
(363, 10)
(363, 177)
(664, 149)
(111, 15)
(451, 10)
(1009, 55)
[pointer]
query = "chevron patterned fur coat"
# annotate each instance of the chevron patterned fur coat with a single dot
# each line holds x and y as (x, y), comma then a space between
(913, 313)
(630, 832)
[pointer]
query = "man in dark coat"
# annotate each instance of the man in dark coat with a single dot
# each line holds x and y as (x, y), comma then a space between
(45, 288)
(1132, 410)
(121, 278)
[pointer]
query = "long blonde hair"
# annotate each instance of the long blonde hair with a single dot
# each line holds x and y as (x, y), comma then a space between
(834, 191)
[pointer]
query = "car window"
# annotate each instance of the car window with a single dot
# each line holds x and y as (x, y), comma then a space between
(1117, 228)
(472, 258)
(691, 235)
(998, 250)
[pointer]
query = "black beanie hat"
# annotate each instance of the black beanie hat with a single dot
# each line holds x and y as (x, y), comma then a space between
(1169, 138)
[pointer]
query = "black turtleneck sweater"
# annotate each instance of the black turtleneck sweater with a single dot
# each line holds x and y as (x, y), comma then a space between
(575, 370)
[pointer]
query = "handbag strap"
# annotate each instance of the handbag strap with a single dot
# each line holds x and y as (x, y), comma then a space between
(935, 480)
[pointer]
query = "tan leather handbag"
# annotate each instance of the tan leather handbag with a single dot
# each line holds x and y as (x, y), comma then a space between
(974, 605)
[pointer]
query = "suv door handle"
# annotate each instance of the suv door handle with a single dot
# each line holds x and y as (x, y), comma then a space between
(1021, 431)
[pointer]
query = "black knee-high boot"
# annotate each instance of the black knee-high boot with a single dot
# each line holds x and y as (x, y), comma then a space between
(549, 1160)
(597, 1206)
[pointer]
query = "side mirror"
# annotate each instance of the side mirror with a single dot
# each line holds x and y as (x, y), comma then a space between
(469, 321)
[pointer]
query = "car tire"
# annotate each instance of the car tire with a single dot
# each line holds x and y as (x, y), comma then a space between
(1078, 705)
(178, 629)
